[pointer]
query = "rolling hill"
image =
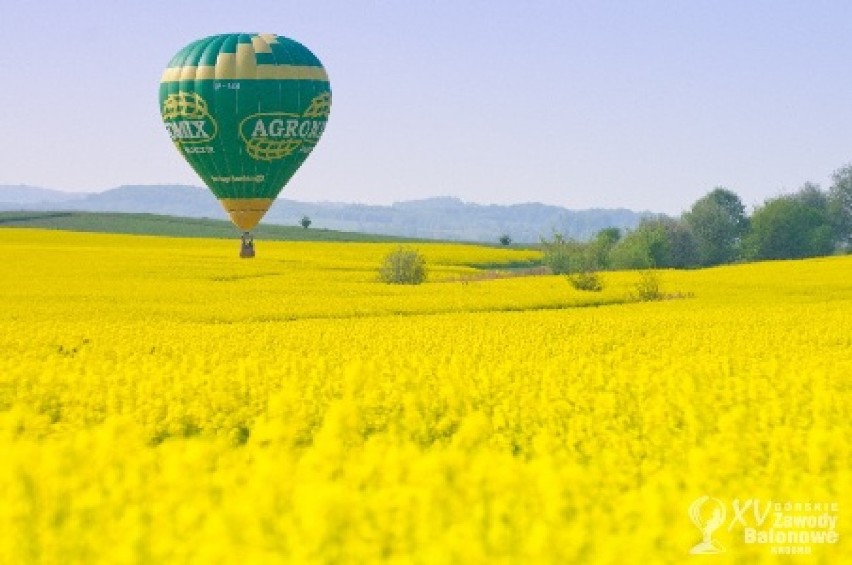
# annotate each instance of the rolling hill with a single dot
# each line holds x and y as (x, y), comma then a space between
(442, 218)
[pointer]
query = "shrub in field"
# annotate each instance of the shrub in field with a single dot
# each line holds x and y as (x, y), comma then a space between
(403, 266)
(579, 261)
(587, 280)
(648, 287)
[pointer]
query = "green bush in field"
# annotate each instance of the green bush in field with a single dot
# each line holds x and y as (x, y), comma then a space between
(648, 288)
(403, 266)
(586, 280)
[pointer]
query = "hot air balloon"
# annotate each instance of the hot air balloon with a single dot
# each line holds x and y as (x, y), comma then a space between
(245, 110)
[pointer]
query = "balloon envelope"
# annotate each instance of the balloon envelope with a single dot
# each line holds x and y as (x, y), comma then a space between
(245, 110)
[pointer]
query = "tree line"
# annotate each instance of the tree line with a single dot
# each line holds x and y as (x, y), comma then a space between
(810, 222)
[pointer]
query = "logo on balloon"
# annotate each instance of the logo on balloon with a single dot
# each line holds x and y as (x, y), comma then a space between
(275, 135)
(187, 118)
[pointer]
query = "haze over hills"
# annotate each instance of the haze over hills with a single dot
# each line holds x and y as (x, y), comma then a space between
(439, 218)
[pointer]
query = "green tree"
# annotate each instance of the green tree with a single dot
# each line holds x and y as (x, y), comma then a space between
(639, 248)
(660, 242)
(718, 222)
(602, 246)
(681, 247)
(566, 256)
(840, 205)
(305, 222)
(791, 227)
(577, 260)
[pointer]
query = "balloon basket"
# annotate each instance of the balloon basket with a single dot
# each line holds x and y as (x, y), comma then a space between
(247, 246)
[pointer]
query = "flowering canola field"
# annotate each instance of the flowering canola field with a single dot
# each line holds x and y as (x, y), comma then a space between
(163, 401)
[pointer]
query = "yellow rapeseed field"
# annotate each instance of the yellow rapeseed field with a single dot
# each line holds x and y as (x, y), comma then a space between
(162, 401)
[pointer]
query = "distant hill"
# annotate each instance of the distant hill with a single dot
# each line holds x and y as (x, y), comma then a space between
(33, 196)
(433, 218)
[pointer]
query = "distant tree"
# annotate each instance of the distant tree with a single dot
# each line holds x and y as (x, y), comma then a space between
(566, 256)
(637, 248)
(660, 242)
(505, 239)
(577, 260)
(840, 205)
(717, 222)
(682, 246)
(812, 195)
(306, 222)
(791, 227)
(602, 245)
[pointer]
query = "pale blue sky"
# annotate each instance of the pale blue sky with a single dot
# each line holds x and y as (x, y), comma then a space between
(646, 105)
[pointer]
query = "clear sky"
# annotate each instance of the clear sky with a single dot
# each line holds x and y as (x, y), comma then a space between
(646, 105)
